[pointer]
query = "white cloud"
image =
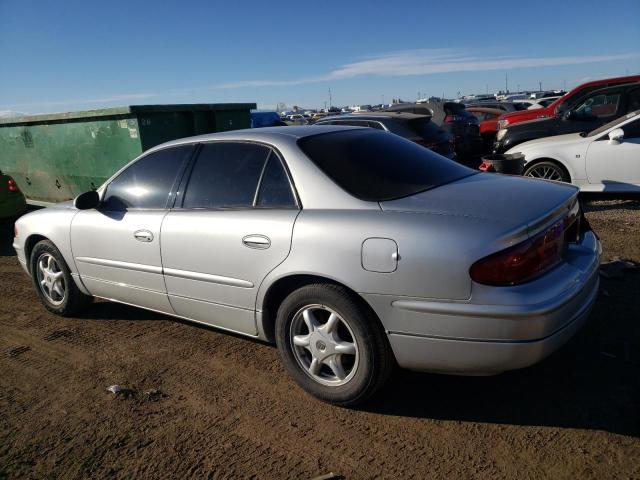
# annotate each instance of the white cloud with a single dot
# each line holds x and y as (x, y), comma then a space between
(431, 61)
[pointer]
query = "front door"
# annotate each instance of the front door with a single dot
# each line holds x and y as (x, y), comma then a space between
(116, 247)
(616, 166)
(233, 226)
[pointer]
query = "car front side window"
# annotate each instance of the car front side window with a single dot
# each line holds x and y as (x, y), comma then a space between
(146, 184)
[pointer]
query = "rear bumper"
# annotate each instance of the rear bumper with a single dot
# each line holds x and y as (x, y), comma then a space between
(499, 328)
(475, 357)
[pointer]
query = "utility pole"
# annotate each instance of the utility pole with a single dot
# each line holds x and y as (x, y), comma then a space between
(330, 100)
(325, 105)
(506, 83)
(518, 88)
(564, 85)
(540, 84)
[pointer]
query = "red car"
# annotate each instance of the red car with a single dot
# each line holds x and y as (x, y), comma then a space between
(488, 118)
(563, 103)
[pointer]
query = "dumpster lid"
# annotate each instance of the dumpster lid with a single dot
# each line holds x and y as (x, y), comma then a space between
(126, 110)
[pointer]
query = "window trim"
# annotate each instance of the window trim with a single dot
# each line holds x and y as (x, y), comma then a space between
(179, 201)
(172, 191)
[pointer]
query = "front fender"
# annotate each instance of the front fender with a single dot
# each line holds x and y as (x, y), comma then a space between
(54, 224)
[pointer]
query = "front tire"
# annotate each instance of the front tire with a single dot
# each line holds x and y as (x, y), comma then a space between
(332, 346)
(548, 171)
(53, 282)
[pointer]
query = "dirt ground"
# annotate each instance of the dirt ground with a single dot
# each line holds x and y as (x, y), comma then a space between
(200, 403)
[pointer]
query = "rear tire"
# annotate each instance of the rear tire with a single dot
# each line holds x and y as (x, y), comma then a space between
(53, 281)
(548, 170)
(332, 345)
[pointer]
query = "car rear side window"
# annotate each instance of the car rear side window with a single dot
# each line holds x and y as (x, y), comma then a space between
(147, 182)
(226, 175)
(375, 166)
(275, 189)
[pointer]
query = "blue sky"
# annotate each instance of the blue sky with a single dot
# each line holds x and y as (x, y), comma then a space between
(71, 55)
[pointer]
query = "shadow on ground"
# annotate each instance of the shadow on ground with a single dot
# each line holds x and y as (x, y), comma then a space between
(591, 383)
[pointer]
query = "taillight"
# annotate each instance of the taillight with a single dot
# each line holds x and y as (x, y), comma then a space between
(523, 262)
(453, 118)
(486, 167)
(12, 185)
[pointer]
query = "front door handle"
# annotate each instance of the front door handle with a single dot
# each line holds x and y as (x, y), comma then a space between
(256, 241)
(143, 235)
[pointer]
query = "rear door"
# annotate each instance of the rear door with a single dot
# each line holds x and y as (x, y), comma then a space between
(230, 228)
(116, 247)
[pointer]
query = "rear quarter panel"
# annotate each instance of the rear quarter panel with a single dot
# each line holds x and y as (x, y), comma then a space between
(435, 251)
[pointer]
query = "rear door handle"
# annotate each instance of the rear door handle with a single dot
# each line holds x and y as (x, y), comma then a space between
(143, 235)
(256, 241)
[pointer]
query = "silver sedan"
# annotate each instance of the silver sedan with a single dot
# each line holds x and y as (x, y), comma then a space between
(352, 249)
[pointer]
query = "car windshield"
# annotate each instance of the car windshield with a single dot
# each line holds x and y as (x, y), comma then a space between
(377, 166)
(612, 124)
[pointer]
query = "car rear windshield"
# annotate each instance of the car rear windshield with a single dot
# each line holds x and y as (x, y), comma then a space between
(377, 166)
(423, 127)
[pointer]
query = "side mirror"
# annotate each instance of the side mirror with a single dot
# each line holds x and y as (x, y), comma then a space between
(616, 136)
(570, 115)
(87, 200)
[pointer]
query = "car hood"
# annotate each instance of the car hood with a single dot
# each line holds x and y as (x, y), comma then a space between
(503, 199)
(556, 141)
(524, 115)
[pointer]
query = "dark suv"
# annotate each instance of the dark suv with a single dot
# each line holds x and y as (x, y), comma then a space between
(454, 118)
(590, 112)
(417, 128)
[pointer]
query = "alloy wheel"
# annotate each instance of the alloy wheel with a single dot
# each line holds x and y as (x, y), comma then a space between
(324, 345)
(548, 172)
(51, 279)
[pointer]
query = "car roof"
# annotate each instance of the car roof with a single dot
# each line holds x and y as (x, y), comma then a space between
(265, 134)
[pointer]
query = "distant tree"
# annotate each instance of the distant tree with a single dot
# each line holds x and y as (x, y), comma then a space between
(281, 107)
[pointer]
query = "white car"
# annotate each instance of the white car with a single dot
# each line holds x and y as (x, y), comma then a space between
(542, 102)
(604, 160)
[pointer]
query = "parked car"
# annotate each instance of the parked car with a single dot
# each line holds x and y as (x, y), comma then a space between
(506, 107)
(542, 103)
(547, 94)
(594, 109)
(564, 103)
(606, 159)
(488, 118)
(452, 117)
(12, 201)
(351, 248)
(297, 119)
(417, 128)
(523, 103)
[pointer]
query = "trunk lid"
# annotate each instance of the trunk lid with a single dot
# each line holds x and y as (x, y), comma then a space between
(523, 205)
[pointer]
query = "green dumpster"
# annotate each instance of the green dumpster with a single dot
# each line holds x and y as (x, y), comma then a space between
(55, 157)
